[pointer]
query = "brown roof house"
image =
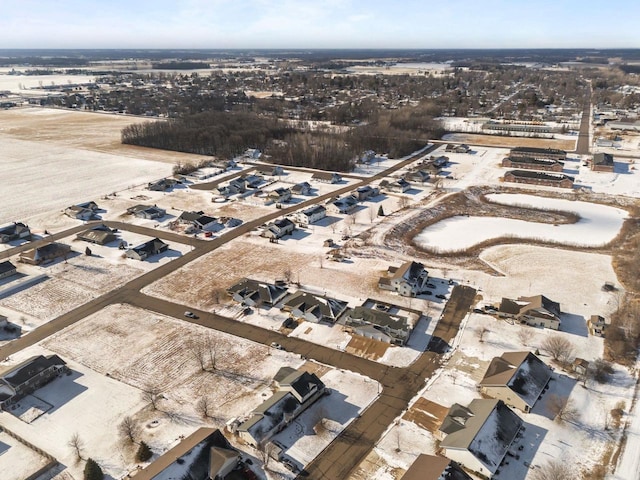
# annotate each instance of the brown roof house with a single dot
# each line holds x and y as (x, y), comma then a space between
(537, 311)
(430, 467)
(602, 162)
(46, 253)
(409, 280)
(479, 436)
(596, 325)
(222, 461)
(100, 234)
(546, 179)
(516, 378)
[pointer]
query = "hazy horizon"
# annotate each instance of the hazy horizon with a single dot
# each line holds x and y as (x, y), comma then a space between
(322, 24)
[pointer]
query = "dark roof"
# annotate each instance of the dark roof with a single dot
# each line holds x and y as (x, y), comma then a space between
(28, 369)
(524, 373)
(265, 292)
(6, 266)
(380, 318)
(190, 216)
(97, 236)
(534, 150)
(557, 177)
(152, 246)
(534, 161)
(302, 382)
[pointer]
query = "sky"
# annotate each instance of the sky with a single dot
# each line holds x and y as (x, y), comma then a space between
(224, 24)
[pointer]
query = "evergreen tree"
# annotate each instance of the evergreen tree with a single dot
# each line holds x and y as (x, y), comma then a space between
(380, 211)
(144, 452)
(92, 470)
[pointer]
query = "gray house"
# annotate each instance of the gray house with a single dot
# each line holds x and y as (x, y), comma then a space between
(379, 325)
(303, 188)
(254, 293)
(409, 280)
(310, 215)
(150, 212)
(398, 186)
(147, 249)
(314, 308)
(279, 228)
(28, 376)
(14, 231)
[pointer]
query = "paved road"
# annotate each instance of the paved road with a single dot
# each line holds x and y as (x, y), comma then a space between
(399, 386)
(584, 140)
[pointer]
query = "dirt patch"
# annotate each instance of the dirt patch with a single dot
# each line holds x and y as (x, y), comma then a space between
(426, 414)
(511, 142)
(367, 347)
(314, 367)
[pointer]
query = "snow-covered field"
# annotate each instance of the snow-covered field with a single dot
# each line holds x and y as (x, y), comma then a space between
(598, 225)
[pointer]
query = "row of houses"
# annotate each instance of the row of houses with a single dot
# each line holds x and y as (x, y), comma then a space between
(479, 435)
(539, 178)
(375, 323)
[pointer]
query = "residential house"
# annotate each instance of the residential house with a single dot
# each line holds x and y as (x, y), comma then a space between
(596, 325)
(150, 212)
(530, 163)
(516, 378)
(270, 170)
(79, 213)
(343, 205)
(366, 192)
(46, 253)
(296, 392)
(14, 231)
(398, 186)
(7, 269)
(187, 218)
(162, 185)
(535, 152)
(310, 215)
(99, 234)
(378, 325)
(222, 461)
(91, 205)
(314, 308)
(479, 436)
(279, 229)
(409, 280)
(207, 223)
(536, 311)
(252, 181)
(326, 177)
(237, 185)
(253, 293)
(28, 376)
(418, 175)
(430, 467)
(147, 249)
(602, 162)
(539, 178)
(462, 148)
(303, 188)
(279, 195)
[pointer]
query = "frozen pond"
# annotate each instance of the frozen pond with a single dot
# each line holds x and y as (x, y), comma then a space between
(598, 225)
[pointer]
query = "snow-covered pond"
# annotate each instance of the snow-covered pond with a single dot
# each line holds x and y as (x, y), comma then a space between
(598, 225)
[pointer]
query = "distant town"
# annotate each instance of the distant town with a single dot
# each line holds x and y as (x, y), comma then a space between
(319, 264)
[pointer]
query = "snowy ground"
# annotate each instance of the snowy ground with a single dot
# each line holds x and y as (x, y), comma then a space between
(598, 225)
(14, 453)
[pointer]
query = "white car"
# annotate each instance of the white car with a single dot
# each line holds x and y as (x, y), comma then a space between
(276, 346)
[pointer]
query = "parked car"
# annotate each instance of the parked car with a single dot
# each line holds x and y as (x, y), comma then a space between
(440, 296)
(190, 315)
(277, 346)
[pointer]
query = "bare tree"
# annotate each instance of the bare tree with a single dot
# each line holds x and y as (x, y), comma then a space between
(554, 470)
(599, 370)
(212, 350)
(287, 274)
(403, 202)
(481, 333)
(561, 408)
(559, 348)
(77, 445)
(204, 406)
(524, 335)
(198, 351)
(372, 213)
(351, 219)
(129, 429)
(265, 451)
(152, 394)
